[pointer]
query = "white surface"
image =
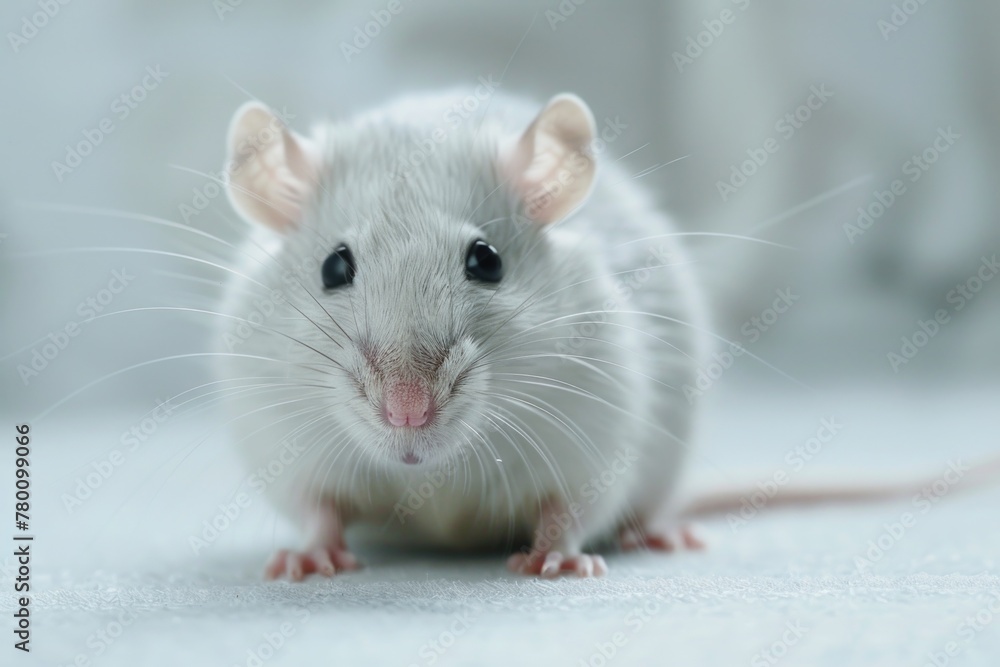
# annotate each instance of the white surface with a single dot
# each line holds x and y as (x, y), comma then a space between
(126, 549)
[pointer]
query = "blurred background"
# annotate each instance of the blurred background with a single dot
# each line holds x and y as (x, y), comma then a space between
(840, 100)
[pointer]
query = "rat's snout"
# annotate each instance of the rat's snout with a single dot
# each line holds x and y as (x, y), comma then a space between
(411, 389)
(408, 402)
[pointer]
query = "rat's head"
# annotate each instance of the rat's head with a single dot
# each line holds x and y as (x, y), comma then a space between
(414, 256)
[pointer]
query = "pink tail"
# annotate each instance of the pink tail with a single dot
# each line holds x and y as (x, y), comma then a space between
(966, 477)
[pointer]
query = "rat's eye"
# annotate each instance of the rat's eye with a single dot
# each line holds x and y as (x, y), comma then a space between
(483, 263)
(339, 268)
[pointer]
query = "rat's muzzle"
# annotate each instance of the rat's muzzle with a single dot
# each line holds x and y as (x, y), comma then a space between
(407, 403)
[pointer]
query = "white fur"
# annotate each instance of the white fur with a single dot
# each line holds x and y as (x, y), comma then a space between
(412, 303)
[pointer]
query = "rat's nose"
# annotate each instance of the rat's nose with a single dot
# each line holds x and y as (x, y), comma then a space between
(408, 403)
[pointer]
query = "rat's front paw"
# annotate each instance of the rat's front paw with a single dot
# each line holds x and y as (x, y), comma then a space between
(553, 563)
(295, 565)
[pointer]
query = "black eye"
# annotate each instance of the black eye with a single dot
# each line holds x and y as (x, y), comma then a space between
(483, 263)
(339, 268)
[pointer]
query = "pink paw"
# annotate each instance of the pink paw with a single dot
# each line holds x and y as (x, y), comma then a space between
(553, 563)
(295, 565)
(682, 537)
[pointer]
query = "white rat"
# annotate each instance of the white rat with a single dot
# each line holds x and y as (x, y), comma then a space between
(468, 306)
(448, 327)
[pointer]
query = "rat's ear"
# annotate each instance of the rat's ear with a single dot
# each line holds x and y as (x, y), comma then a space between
(550, 165)
(271, 169)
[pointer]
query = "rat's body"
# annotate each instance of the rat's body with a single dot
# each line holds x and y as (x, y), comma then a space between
(434, 402)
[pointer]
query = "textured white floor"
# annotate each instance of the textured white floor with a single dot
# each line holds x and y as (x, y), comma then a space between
(124, 556)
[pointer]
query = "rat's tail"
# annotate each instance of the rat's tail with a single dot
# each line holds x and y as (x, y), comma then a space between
(957, 477)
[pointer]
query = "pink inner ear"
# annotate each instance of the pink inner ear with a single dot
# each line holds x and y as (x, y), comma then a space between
(302, 157)
(549, 167)
(277, 169)
(526, 172)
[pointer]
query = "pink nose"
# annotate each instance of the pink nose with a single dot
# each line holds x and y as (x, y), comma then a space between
(408, 403)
